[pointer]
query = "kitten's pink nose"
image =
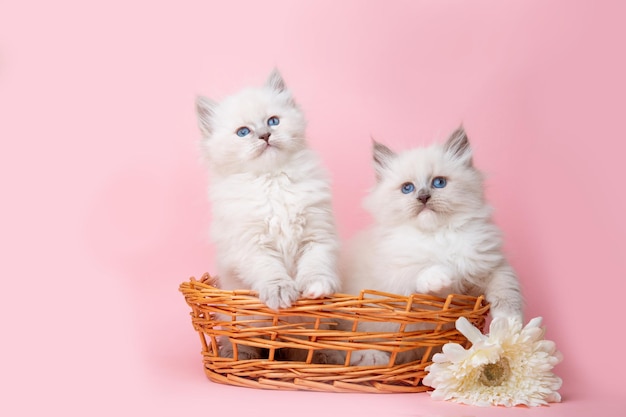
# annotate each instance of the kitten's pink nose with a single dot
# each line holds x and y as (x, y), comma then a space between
(423, 197)
(265, 137)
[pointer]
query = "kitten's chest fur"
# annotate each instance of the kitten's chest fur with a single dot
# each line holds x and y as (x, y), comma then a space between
(423, 249)
(280, 205)
(462, 252)
(269, 211)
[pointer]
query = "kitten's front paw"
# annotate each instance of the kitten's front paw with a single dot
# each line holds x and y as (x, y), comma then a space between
(279, 294)
(318, 286)
(433, 280)
(503, 309)
(369, 357)
(318, 289)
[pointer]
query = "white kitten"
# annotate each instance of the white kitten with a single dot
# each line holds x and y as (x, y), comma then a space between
(272, 221)
(433, 233)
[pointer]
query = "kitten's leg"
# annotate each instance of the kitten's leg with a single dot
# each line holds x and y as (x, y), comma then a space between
(504, 294)
(266, 274)
(317, 270)
(321, 356)
(225, 346)
(410, 355)
(434, 279)
(369, 357)
(329, 356)
(243, 352)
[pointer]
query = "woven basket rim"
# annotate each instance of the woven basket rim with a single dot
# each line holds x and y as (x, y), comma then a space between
(208, 283)
(242, 318)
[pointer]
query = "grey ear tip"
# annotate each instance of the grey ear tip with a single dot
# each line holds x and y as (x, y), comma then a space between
(204, 104)
(379, 150)
(377, 146)
(276, 81)
(459, 136)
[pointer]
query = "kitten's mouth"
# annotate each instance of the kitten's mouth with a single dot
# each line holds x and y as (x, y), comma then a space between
(267, 149)
(424, 208)
(265, 145)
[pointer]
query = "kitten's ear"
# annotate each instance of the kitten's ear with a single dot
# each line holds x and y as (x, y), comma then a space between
(205, 110)
(275, 81)
(382, 158)
(458, 147)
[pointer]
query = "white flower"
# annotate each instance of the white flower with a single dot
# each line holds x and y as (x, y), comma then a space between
(509, 366)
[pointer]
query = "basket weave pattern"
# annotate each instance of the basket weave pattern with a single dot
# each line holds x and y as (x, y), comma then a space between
(309, 325)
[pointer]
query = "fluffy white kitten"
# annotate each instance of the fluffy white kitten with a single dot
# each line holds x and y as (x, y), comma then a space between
(272, 221)
(433, 233)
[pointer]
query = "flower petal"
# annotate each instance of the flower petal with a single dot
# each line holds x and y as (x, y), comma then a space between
(439, 358)
(469, 331)
(454, 372)
(499, 329)
(536, 322)
(455, 352)
(485, 355)
(553, 397)
(547, 346)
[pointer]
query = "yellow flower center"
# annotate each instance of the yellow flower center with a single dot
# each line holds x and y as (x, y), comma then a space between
(494, 374)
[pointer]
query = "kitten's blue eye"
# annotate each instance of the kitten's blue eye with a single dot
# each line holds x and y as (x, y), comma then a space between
(273, 121)
(243, 131)
(439, 182)
(407, 188)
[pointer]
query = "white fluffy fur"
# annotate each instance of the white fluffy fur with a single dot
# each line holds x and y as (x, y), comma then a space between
(448, 245)
(272, 222)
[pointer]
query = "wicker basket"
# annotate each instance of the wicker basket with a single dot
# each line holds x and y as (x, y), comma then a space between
(250, 323)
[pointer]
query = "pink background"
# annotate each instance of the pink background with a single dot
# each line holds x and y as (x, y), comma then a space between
(104, 208)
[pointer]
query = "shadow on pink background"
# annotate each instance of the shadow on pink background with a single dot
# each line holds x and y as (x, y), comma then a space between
(105, 210)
